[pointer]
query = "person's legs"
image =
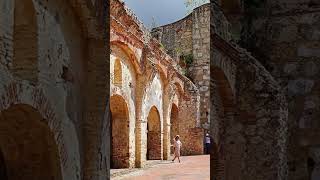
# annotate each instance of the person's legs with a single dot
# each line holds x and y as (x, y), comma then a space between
(179, 159)
(174, 158)
(206, 148)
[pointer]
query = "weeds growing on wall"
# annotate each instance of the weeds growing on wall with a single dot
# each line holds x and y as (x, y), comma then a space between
(188, 60)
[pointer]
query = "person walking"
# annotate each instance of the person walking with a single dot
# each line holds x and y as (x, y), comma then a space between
(207, 143)
(177, 146)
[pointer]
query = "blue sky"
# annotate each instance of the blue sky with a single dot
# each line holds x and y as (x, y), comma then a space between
(163, 11)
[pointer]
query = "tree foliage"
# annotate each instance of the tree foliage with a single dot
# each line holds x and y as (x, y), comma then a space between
(191, 4)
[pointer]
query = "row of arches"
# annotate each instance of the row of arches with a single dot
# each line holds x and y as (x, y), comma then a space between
(44, 78)
(138, 108)
(120, 153)
(28, 149)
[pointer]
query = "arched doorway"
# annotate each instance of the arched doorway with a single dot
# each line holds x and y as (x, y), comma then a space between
(153, 135)
(28, 145)
(222, 111)
(174, 129)
(119, 132)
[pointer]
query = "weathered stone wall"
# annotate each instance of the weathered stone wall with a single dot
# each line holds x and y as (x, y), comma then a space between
(51, 39)
(191, 36)
(287, 42)
(249, 113)
(150, 83)
(251, 118)
(126, 90)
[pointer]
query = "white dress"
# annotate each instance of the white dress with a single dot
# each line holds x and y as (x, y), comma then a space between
(177, 147)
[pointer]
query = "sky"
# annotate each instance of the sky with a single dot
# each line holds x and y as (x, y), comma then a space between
(163, 11)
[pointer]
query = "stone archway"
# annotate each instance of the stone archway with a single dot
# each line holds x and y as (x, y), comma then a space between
(153, 135)
(28, 145)
(119, 132)
(222, 110)
(174, 129)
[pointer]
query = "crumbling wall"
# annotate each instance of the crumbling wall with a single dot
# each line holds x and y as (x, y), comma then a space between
(158, 85)
(188, 42)
(250, 112)
(287, 43)
(55, 80)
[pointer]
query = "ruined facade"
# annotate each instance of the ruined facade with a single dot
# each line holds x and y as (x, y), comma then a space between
(53, 89)
(187, 41)
(285, 39)
(54, 93)
(150, 101)
(248, 111)
(288, 43)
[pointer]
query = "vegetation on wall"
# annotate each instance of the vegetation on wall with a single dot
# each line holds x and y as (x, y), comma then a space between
(188, 60)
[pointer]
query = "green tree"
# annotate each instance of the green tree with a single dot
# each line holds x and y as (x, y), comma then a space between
(191, 4)
(154, 23)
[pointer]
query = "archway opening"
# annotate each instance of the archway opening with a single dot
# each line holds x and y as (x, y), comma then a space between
(222, 110)
(153, 135)
(119, 132)
(174, 129)
(25, 42)
(28, 145)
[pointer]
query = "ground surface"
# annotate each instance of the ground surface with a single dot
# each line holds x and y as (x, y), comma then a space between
(190, 168)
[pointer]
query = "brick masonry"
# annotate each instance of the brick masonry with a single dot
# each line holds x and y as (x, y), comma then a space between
(152, 85)
(191, 36)
(53, 42)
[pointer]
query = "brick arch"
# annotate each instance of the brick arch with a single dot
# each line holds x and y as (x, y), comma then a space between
(170, 97)
(130, 54)
(179, 88)
(23, 126)
(226, 65)
(222, 112)
(174, 121)
(153, 135)
(120, 132)
(25, 41)
(17, 93)
(163, 76)
(92, 16)
(122, 59)
(151, 75)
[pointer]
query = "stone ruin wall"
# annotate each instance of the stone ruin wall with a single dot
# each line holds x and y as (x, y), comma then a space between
(48, 99)
(191, 36)
(150, 79)
(287, 43)
(249, 112)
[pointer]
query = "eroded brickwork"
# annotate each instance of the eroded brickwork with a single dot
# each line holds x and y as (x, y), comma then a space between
(190, 38)
(249, 112)
(286, 42)
(161, 101)
(46, 70)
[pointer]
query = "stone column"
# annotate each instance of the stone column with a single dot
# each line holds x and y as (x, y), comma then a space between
(167, 100)
(97, 95)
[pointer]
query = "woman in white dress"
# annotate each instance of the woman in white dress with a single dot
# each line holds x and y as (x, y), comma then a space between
(177, 146)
